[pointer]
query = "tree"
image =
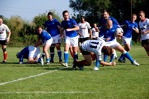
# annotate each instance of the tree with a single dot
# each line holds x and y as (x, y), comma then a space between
(90, 8)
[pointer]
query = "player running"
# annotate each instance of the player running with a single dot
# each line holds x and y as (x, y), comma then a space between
(46, 39)
(4, 38)
(144, 29)
(112, 42)
(128, 27)
(53, 27)
(70, 27)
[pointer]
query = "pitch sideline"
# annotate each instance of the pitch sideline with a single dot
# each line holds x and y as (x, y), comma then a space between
(28, 77)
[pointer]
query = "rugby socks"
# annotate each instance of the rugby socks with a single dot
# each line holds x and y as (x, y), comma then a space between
(127, 55)
(59, 52)
(75, 57)
(5, 56)
(43, 55)
(97, 63)
(48, 60)
(52, 52)
(52, 56)
(66, 56)
(105, 58)
(121, 57)
(21, 59)
(112, 58)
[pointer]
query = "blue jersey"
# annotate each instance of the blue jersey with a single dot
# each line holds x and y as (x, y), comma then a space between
(71, 23)
(110, 33)
(115, 22)
(24, 53)
(102, 31)
(128, 25)
(52, 27)
(44, 36)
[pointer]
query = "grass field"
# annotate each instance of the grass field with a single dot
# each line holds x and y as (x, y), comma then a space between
(33, 81)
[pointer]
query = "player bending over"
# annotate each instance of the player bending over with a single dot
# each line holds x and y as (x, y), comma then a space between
(31, 53)
(97, 47)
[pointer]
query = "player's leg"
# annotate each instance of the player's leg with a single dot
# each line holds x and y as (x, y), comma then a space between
(126, 54)
(4, 53)
(59, 52)
(66, 54)
(52, 47)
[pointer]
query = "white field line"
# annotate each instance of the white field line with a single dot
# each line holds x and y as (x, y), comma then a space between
(52, 92)
(28, 77)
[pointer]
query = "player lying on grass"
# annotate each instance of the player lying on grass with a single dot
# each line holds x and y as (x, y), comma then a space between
(97, 47)
(31, 53)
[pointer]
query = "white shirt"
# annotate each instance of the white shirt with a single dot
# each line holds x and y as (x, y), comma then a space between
(144, 26)
(94, 46)
(3, 29)
(95, 33)
(33, 52)
(84, 29)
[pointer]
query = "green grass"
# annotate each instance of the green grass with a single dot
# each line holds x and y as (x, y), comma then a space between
(123, 81)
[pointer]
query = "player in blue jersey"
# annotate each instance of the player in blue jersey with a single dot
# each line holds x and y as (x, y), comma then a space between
(70, 27)
(128, 27)
(53, 27)
(106, 16)
(31, 53)
(46, 39)
(112, 42)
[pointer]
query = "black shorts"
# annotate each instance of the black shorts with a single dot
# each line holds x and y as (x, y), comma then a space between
(145, 42)
(84, 52)
(3, 42)
(83, 39)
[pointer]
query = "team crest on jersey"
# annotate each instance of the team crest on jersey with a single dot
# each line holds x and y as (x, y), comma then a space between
(1, 30)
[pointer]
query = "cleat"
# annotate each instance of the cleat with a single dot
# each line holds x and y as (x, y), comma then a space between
(96, 68)
(4, 62)
(135, 63)
(65, 64)
(60, 61)
(41, 61)
(51, 61)
(20, 62)
(47, 63)
(81, 67)
(121, 61)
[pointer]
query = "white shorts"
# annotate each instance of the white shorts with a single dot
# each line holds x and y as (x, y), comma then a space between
(126, 40)
(48, 42)
(112, 44)
(72, 41)
(34, 52)
(56, 39)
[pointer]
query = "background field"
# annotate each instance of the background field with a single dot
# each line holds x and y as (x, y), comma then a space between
(33, 81)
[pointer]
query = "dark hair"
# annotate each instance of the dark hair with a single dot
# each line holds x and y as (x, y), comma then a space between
(65, 11)
(107, 50)
(106, 11)
(50, 13)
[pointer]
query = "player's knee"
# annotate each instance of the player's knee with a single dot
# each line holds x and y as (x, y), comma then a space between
(4, 49)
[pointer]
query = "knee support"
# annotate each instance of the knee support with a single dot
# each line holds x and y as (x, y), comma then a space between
(4, 49)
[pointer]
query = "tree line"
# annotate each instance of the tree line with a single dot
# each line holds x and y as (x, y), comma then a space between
(24, 33)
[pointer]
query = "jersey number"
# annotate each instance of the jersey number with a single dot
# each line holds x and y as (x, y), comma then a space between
(94, 44)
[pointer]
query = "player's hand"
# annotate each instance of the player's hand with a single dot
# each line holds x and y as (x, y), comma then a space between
(68, 30)
(113, 63)
(8, 39)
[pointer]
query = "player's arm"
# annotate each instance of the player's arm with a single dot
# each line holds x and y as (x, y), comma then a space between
(107, 64)
(9, 33)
